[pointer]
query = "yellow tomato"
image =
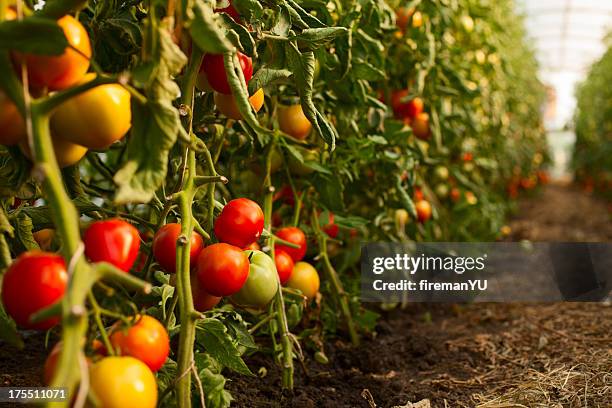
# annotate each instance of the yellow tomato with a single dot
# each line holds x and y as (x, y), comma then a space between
(227, 103)
(44, 238)
(61, 71)
(417, 19)
(66, 153)
(304, 278)
(292, 121)
(96, 118)
(119, 382)
(12, 126)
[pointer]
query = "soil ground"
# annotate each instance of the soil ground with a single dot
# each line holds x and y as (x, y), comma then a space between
(477, 355)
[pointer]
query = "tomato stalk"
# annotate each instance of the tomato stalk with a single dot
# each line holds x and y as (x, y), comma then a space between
(338, 290)
(183, 248)
(279, 303)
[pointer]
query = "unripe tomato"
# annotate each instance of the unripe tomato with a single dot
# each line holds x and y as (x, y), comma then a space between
(331, 228)
(405, 110)
(214, 67)
(202, 301)
(240, 223)
(301, 169)
(401, 218)
(12, 126)
(231, 11)
(146, 340)
(226, 103)
(34, 281)
(420, 126)
(66, 153)
(222, 269)
(61, 71)
(295, 236)
(106, 106)
(119, 382)
(114, 241)
(44, 238)
(284, 265)
(292, 121)
(441, 172)
(423, 209)
(261, 284)
(441, 190)
(164, 247)
(305, 278)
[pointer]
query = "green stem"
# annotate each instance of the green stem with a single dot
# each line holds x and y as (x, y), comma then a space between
(97, 316)
(338, 290)
(183, 249)
(279, 302)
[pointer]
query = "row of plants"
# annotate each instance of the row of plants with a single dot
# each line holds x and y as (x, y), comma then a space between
(593, 122)
(187, 183)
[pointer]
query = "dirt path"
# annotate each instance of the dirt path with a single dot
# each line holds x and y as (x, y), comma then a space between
(478, 355)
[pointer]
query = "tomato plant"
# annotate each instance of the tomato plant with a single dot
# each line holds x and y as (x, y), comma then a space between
(114, 241)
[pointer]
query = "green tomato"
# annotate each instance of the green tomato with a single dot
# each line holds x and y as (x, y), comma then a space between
(262, 283)
(441, 172)
(302, 169)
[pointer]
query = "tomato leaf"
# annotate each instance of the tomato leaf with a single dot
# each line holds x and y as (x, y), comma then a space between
(302, 66)
(213, 335)
(265, 76)
(33, 35)
(156, 124)
(8, 330)
(213, 381)
(24, 239)
(318, 37)
(206, 30)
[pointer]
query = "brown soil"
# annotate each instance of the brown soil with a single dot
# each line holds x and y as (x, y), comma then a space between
(477, 355)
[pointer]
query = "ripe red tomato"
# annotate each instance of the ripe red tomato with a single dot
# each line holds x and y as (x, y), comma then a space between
(254, 247)
(202, 301)
(402, 17)
(295, 236)
(455, 194)
(331, 228)
(146, 340)
(284, 265)
(214, 67)
(231, 11)
(423, 209)
(418, 194)
(123, 382)
(114, 241)
(405, 110)
(240, 223)
(61, 71)
(34, 281)
(164, 246)
(467, 157)
(222, 269)
(286, 195)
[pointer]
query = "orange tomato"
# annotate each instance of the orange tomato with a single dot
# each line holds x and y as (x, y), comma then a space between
(420, 126)
(226, 103)
(292, 121)
(61, 71)
(12, 126)
(146, 340)
(304, 278)
(423, 209)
